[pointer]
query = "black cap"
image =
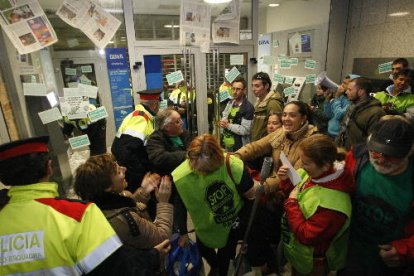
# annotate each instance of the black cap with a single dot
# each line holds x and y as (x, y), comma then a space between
(393, 137)
(150, 94)
(23, 147)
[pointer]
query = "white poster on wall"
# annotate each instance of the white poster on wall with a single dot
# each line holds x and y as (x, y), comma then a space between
(195, 21)
(97, 24)
(264, 49)
(226, 31)
(27, 26)
(226, 27)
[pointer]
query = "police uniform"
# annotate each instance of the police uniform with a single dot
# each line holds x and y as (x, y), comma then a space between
(131, 138)
(42, 234)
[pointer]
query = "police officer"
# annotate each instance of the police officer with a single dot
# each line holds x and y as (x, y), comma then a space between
(40, 233)
(131, 139)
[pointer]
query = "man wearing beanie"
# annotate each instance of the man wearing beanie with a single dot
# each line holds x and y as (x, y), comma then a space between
(382, 227)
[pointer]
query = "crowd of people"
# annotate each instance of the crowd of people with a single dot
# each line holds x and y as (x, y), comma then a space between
(339, 196)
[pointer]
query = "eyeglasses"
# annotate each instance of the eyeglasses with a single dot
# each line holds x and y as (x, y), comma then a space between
(177, 122)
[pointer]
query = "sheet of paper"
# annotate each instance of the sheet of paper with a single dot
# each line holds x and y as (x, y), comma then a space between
(72, 92)
(310, 78)
(232, 74)
(34, 89)
(98, 114)
(195, 24)
(289, 80)
(27, 26)
(226, 31)
(284, 63)
(50, 115)
(310, 64)
(279, 78)
(97, 24)
(163, 104)
(385, 67)
(88, 90)
(292, 174)
(174, 77)
(288, 91)
(74, 107)
(236, 59)
(79, 141)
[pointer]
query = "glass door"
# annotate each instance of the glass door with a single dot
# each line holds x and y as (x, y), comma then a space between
(197, 68)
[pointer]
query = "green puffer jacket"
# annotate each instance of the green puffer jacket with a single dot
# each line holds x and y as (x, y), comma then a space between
(272, 103)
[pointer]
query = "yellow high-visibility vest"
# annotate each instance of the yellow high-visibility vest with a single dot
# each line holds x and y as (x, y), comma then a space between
(43, 235)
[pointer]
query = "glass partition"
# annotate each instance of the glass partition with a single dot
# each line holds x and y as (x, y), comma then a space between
(160, 20)
(70, 38)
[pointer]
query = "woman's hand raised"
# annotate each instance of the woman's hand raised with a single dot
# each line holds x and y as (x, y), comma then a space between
(163, 192)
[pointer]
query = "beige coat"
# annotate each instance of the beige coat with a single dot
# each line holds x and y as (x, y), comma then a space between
(151, 233)
(273, 144)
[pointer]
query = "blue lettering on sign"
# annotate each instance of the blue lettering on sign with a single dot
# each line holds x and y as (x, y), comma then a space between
(263, 42)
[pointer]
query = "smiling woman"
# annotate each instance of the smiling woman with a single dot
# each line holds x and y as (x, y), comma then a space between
(285, 139)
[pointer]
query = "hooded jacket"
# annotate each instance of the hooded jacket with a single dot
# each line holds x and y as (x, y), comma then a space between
(271, 103)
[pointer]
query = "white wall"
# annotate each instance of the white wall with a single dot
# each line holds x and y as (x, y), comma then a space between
(295, 14)
(372, 33)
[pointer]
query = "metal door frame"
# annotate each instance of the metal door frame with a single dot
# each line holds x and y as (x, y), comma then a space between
(200, 64)
(102, 80)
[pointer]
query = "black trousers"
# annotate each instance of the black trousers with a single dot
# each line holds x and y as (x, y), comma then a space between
(220, 260)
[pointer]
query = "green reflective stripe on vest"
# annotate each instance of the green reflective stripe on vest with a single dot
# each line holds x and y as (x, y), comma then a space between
(212, 200)
(301, 256)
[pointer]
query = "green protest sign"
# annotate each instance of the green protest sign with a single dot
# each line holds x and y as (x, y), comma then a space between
(79, 141)
(163, 104)
(70, 71)
(310, 64)
(86, 69)
(310, 78)
(97, 114)
(279, 78)
(232, 74)
(385, 67)
(288, 91)
(289, 80)
(294, 61)
(284, 63)
(174, 77)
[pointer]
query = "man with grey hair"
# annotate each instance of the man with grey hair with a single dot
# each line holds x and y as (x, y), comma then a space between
(382, 236)
(167, 146)
(167, 149)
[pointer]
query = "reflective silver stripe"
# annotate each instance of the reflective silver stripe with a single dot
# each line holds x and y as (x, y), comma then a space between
(99, 254)
(61, 270)
(133, 133)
